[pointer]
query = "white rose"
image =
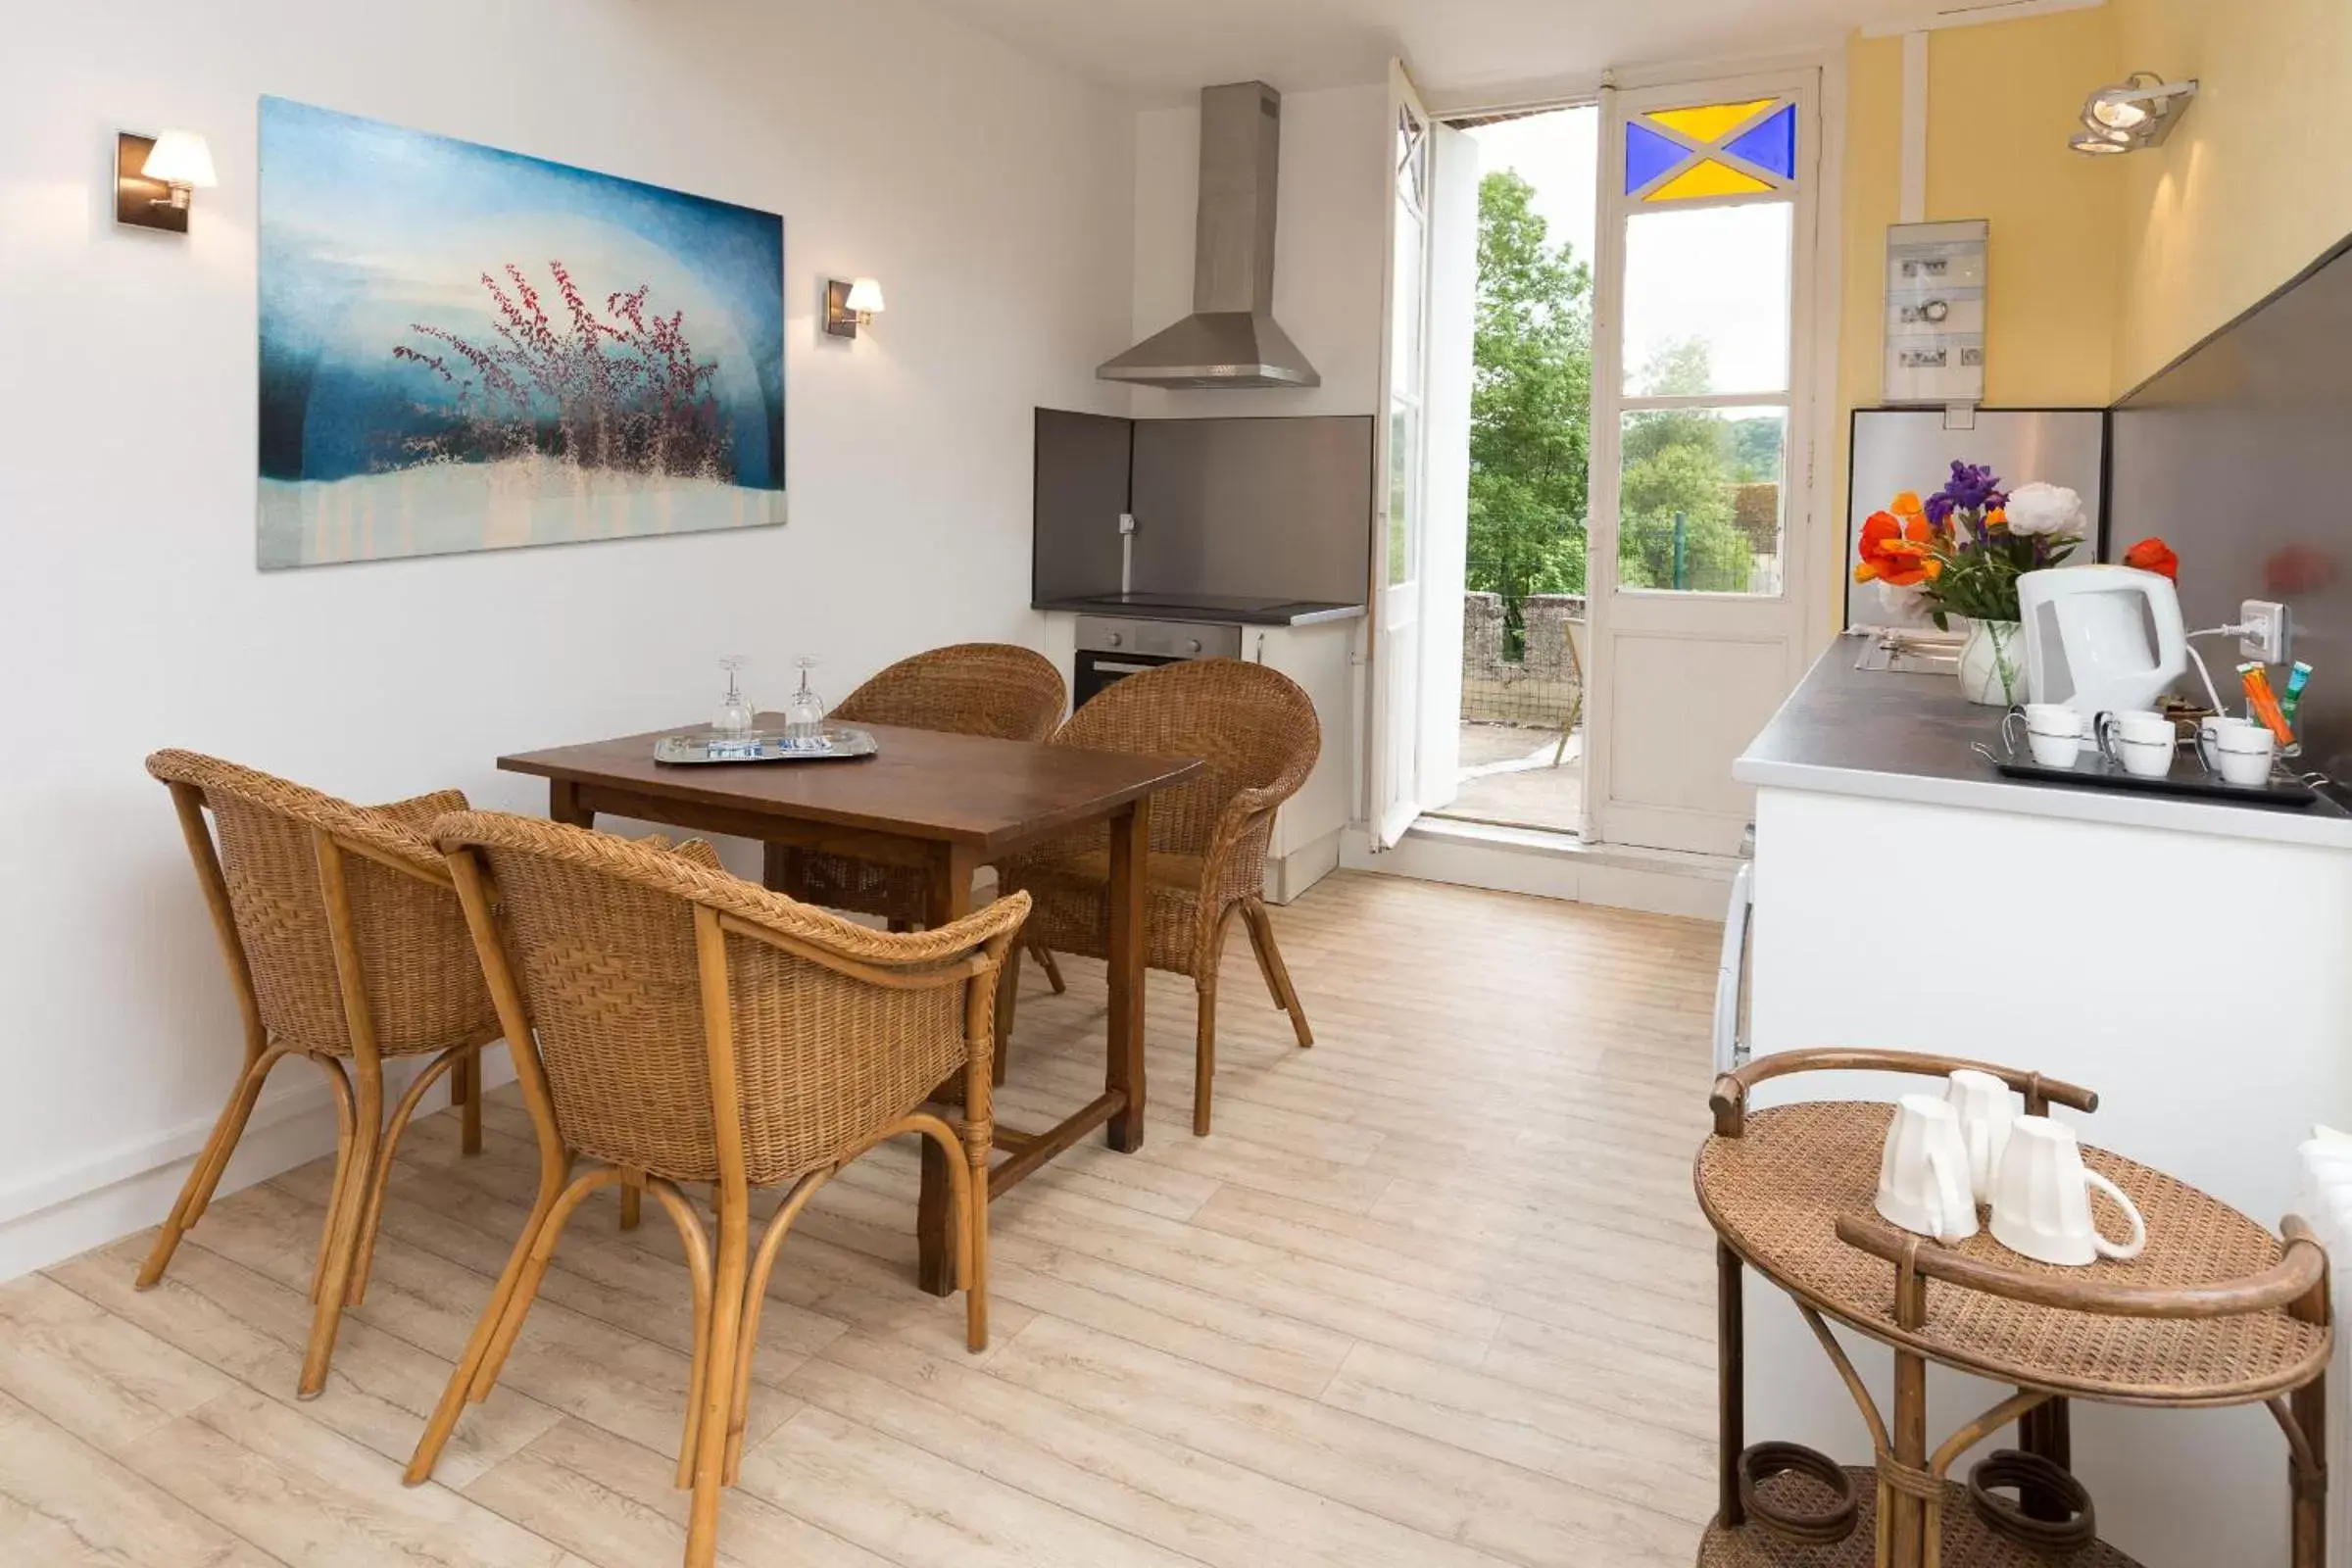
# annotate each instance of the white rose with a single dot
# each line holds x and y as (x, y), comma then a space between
(2049, 508)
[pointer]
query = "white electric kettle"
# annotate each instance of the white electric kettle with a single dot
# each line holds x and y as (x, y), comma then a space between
(2086, 637)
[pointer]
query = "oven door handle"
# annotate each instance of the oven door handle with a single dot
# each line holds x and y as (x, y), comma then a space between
(1115, 667)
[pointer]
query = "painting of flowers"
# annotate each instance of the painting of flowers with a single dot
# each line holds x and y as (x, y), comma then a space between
(467, 349)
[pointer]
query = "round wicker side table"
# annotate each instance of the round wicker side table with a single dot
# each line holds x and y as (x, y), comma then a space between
(2214, 1312)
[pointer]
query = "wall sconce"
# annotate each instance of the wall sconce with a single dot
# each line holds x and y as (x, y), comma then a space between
(2136, 112)
(154, 177)
(850, 305)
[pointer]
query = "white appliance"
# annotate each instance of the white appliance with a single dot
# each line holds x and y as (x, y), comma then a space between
(2086, 632)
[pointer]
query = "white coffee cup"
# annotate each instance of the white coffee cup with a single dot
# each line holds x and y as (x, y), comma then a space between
(1923, 1172)
(2135, 724)
(2144, 759)
(2053, 733)
(2239, 750)
(1984, 1106)
(2041, 1198)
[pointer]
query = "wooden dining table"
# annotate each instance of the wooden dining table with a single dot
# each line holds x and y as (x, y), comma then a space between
(947, 805)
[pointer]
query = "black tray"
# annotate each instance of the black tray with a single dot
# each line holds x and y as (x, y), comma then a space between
(2095, 771)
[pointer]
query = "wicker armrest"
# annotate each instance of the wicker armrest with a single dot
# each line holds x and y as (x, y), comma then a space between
(1728, 1101)
(417, 811)
(2302, 1266)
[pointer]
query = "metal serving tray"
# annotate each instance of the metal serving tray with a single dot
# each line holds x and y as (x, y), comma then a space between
(2095, 771)
(840, 742)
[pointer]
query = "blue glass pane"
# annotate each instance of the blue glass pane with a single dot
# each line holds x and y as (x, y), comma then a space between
(1647, 155)
(1770, 145)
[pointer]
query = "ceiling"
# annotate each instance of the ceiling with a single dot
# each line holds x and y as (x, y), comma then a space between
(1165, 50)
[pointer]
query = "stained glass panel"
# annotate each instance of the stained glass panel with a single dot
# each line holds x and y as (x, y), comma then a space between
(1770, 145)
(1647, 155)
(1709, 178)
(1711, 122)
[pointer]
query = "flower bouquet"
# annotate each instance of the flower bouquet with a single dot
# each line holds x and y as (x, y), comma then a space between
(1960, 553)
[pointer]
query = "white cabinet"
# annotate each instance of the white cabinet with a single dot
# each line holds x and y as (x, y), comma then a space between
(1306, 846)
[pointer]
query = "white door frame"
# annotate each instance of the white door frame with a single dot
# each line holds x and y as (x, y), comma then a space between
(1394, 730)
(1778, 629)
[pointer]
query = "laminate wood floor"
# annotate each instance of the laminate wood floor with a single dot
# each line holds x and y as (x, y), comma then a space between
(1435, 1295)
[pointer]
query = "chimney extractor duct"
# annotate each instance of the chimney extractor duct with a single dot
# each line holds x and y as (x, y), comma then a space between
(1231, 338)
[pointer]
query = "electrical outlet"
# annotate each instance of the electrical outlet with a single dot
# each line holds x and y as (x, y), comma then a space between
(2267, 641)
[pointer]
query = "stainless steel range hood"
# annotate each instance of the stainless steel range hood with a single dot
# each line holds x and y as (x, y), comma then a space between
(1231, 338)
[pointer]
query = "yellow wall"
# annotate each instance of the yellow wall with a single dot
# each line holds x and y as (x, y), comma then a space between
(2254, 185)
(2002, 100)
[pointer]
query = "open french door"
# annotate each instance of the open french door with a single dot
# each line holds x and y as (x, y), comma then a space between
(1422, 511)
(1705, 515)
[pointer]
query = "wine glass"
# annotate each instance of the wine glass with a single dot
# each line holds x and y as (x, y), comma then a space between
(804, 715)
(735, 712)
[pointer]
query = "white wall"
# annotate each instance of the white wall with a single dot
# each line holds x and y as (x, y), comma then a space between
(990, 194)
(1330, 239)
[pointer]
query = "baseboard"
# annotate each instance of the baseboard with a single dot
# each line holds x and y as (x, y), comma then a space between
(125, 1190)
(1548, 865)
(1303, 867)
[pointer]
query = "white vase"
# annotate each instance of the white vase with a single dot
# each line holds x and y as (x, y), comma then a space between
(1993, 664)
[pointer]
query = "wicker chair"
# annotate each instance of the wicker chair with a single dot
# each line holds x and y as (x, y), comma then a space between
(691, 1027)
(968, 689)
(344, 945)
(1256, 731)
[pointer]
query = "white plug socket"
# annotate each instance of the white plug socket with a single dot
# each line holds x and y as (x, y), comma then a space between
(2266, 637)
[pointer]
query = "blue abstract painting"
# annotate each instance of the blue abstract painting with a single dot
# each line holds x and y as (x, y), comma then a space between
(467, 349)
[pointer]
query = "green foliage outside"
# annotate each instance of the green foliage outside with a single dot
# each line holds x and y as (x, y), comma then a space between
(1531, 414)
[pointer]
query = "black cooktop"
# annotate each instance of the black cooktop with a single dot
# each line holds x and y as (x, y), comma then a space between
(1224, 608)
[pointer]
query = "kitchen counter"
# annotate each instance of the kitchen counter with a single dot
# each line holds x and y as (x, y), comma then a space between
(2184, 958)
(1222, 608)
(1893, 736)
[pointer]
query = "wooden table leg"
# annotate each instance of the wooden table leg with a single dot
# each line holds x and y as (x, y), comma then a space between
(1731, 1391)
(1130, 842)
(947, 897)
(564, 804)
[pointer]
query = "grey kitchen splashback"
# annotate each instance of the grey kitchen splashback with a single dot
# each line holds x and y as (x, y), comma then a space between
(1266, 508)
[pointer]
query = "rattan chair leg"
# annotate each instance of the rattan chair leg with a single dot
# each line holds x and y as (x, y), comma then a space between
(696, 1244)
(449, 1061)
(340, 1187)
(755, 1295)
(204, 1174)
(478, 1344)
(1205, 1055)
(1045, 961)
(632, 1206)
(1277, 973)
(728, 1303)
(342, 1250)
(534, 1272)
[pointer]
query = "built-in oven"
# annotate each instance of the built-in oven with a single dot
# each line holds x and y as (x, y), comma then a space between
(1111, 647)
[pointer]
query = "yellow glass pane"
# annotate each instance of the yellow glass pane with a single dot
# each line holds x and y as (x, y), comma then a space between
(1709, 122)
(1707, 179)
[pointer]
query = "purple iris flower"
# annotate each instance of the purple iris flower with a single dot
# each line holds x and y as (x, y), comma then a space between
(1939, 509)
(1973, 488)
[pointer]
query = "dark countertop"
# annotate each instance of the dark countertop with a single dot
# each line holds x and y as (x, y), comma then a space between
(1910, 737)
(1222, 608)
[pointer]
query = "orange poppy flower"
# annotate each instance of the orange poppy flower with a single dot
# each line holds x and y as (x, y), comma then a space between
(1907, 505)
(2150, 555)
(1895, 551)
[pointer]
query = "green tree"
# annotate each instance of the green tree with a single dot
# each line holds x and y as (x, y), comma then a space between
(1679, 469)
(1531, 403)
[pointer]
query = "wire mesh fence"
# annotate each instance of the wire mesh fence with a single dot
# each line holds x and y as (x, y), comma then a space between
(1520, 660)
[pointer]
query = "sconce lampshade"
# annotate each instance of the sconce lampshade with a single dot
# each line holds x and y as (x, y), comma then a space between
(2137, 112)
(181, 158)
(865, 297)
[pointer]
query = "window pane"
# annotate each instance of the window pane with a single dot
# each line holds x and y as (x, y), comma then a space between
(1405, 319)
(1706, 300)
(1699, 499)
(1404, 461)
